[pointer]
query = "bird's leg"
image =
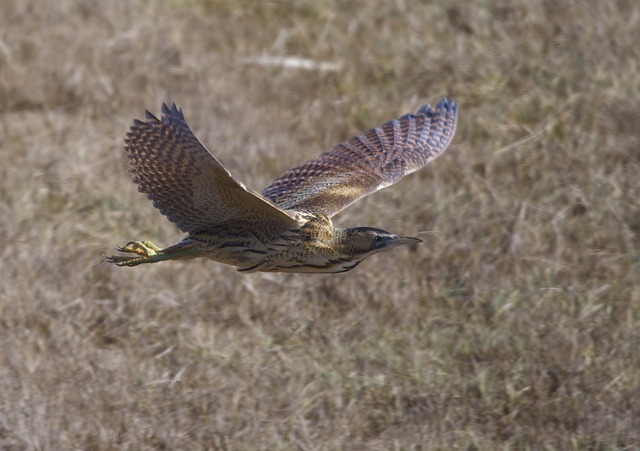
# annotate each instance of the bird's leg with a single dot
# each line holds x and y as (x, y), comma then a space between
(147, 251)
(144, 248)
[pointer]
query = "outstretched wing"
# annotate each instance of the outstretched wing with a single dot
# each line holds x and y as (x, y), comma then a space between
(367, 163)
(185, 182)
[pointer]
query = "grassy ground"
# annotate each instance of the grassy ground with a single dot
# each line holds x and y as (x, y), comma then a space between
(516, 325)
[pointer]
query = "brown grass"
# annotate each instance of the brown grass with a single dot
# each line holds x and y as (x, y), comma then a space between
(516, 325)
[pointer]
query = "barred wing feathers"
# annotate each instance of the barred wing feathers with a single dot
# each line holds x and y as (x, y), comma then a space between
(186, 183)
(367, 163)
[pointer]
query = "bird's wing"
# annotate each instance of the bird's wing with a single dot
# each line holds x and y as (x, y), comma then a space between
(185, 182)
(367, 163)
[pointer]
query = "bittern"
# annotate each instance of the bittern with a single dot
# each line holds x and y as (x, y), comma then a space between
(288, 227)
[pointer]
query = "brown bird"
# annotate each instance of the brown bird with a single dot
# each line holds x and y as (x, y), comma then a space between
(287, 228)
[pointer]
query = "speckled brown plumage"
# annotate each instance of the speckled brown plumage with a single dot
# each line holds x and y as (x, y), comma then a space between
(185, 182)
(366, 163)
(287, 227)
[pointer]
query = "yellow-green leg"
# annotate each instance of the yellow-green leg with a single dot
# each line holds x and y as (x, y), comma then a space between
(147, 252)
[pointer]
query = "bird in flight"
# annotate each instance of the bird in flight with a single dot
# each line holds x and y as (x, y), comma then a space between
(288, 227)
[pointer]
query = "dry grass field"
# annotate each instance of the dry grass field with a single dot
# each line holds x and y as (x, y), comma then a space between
(516, 325)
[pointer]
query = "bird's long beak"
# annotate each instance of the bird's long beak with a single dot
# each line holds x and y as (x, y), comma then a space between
(407, 240)
(400, 240)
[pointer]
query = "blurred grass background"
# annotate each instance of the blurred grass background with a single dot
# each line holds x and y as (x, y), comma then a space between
(516, 325)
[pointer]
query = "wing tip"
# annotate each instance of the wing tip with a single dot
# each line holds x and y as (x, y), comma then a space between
(137, 126)
(151, 119)
(424, 109)
(172, 112)
(444, 104)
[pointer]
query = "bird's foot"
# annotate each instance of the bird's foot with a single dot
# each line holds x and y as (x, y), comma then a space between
(145, 249)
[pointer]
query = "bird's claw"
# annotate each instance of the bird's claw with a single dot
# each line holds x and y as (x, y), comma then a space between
(145, 249)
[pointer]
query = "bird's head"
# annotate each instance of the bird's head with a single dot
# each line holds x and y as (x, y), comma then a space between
(365, 241)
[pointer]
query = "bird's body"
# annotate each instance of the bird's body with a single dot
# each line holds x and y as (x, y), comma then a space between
(288, 228)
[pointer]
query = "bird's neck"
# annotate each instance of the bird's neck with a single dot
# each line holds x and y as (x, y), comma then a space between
(339, 236)
(342, 242)
(319, 227)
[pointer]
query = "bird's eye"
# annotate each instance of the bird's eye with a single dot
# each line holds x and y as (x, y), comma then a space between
(378, 238)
